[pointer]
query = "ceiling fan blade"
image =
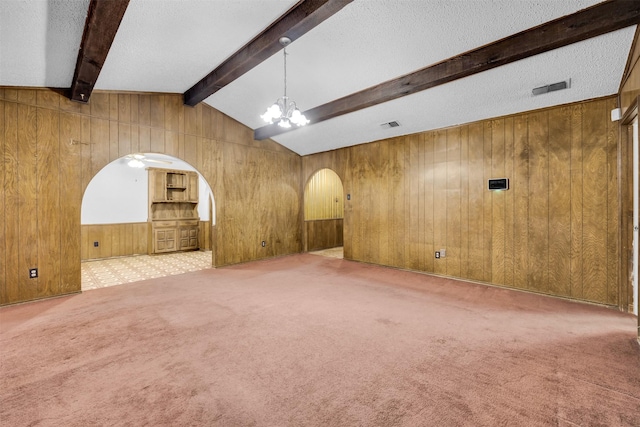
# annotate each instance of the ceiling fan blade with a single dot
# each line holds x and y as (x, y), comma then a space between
(166, 162)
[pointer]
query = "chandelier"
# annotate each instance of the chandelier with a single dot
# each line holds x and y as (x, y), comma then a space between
(283, 111)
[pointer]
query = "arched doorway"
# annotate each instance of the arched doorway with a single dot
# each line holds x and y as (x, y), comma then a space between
(630, 206)
(116, 236)
(323, 211)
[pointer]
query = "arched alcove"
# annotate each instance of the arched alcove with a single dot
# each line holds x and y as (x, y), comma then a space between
(115, 207)
(323, 210)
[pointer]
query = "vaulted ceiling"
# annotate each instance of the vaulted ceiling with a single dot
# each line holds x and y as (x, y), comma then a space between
(170, 45)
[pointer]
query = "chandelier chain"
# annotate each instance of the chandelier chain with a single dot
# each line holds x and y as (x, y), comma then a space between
(285, 72)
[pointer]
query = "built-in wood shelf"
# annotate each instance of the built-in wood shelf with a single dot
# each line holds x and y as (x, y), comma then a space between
(173, 210)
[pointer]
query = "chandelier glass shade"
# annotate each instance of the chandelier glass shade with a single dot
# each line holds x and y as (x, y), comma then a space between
(135, 163)
(283, 111)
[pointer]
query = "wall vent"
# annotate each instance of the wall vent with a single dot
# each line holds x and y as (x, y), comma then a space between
(551, 88)
(389, 125)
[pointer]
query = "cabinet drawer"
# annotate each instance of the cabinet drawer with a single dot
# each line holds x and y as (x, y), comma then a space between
(157, 224)
(188, 223)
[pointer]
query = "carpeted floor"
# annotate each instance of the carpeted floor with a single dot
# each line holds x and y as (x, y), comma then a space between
(305, 340)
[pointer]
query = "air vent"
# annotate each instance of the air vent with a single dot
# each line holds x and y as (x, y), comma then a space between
(393, 124)
(551, 88)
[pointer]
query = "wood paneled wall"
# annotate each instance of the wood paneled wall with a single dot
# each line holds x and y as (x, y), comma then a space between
(113, 240)
(126, 239)
(323, 234)
(626, 218)
(628, 96)
(204, 235)
(52, 148)
(555, 231)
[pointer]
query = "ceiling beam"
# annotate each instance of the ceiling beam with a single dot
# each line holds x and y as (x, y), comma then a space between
(591, 22)
(300, 19)
(100, 27)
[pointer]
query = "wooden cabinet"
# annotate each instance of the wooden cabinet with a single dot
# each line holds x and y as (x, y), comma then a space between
(169, 236)
(166, 186)
(173, 210)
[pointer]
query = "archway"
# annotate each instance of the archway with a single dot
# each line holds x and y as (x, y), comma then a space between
(115, 221)
(630, 206)
(323, 211)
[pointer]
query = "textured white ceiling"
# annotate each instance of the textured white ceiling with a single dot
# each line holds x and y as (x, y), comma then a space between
(501, 91)
(168, 45)
(39, 41)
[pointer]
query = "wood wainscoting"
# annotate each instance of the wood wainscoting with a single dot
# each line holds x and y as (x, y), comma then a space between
(205, 236)
(323, 234)
(113, 240)
(126, 239)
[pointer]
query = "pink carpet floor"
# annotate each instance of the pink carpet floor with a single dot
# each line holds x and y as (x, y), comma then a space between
(304, 340)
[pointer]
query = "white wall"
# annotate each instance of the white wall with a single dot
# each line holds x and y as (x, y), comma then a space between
(119, 193)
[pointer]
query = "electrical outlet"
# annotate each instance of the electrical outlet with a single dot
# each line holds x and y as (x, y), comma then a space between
(96, 244)
(33, 273)
(264, 243)
(437, 254)
(443, 253)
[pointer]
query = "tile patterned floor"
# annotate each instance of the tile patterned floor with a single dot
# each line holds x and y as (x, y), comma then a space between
(116, 271)
(331, 252)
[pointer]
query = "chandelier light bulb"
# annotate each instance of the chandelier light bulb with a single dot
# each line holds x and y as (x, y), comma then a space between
(272, 113)
(298, 118)
(284, 123)
(135, 163)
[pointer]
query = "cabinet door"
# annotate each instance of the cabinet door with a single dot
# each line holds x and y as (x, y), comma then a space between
(184, 238)
(193, 238)
(165, 239)
(158, 186)
(192, 188)
(188, 238)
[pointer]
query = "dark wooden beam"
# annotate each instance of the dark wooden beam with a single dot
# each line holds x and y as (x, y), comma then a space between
(299, 20)
(100, 27)
(594, 21)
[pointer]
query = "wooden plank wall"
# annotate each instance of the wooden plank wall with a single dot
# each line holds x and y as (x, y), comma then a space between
(555, 231)
(323, 234)
(126, 239)
(113, 240)
(629, 93)
(626, 220)
(52, 148)
(204, 235)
